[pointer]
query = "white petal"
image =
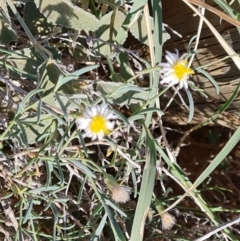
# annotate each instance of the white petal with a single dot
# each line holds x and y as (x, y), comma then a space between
(88, 112)
(165, 65)
(110, 125)
(174, 57)
(95, 110)
(185, 84)
(82, 123)
(183, 56)
(180, 85)
(100, 135)
(170, 60)
(177, 53)
(104, 109)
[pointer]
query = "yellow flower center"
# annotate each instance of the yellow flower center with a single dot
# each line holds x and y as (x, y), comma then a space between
(98, 124)
(181, 70)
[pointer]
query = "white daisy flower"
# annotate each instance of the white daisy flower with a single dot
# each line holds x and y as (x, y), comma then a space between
(175, 71)
(95, 122)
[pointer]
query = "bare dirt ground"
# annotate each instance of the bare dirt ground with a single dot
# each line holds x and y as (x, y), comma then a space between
(221, 190)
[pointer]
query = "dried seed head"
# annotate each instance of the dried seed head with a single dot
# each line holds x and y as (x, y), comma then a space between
(120, 193)
(168, 220)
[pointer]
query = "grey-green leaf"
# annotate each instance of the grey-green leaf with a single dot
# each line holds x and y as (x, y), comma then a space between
(33, 130)
(35, 21)
(123, 94)
(191, 105)
(7, 34)
(25, 62)
(64, 13)
(139, 30)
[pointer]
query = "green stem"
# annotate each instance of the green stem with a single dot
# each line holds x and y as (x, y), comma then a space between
(11, 124)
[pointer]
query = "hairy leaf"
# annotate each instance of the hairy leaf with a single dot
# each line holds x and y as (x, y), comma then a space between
(25, 62)
(121, 94)
(77, 18)
(138, 30)
(34, 131)
(64, 13)
(71, 102)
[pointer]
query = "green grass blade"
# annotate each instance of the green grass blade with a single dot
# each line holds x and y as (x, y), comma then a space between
(228, 9)
(26, 99)
(118, 234)
(146, 190)
(74, 75)
(39, 108)
(191, 105)
(60, 172)
(28, 212)
(99, 229)
(132, 15)
(23, 134)
(213, 81)
(116, 208)
(115, 227)
(157, 32)
(55, 214)
(63, 107)
(83, 168)
(80, 193)
(219, 158)
(151, 109)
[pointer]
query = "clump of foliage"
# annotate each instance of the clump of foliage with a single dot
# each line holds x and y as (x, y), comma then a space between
(82, 139)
